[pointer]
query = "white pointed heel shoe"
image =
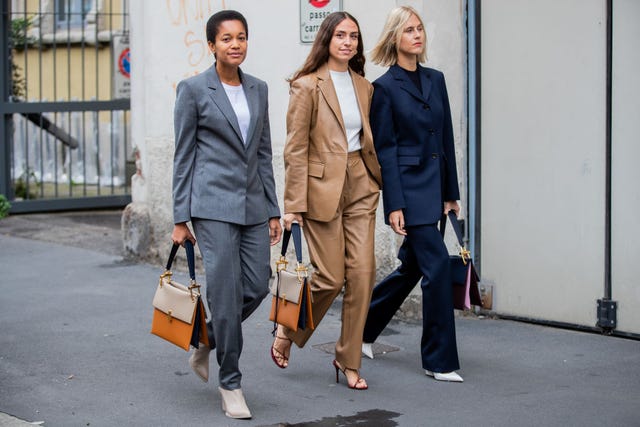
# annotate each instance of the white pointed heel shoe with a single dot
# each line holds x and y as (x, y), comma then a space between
(367, 349)
(445, 376)
(199, 361)
(233, 404)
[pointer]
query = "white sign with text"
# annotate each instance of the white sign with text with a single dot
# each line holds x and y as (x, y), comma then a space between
(312, 13)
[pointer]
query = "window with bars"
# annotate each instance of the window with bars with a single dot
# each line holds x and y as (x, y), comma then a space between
(71, 21)
(72, 13)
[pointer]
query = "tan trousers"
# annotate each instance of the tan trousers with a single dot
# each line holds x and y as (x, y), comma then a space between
(342, 255)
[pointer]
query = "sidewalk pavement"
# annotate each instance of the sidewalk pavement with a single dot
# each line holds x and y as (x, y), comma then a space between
(75, 350)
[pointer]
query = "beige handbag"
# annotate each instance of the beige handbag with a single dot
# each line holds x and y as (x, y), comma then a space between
(178, 311)
(291, 302)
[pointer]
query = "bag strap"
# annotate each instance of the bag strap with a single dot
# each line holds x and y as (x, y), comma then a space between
(191, 258)
(454, 224)
(297, 241)
(464, 253)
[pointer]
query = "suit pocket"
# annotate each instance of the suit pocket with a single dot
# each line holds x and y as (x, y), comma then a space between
(409, 155)
(316, 169)
(408, 160)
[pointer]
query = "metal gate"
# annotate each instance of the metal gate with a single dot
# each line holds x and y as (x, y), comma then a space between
(65, 104)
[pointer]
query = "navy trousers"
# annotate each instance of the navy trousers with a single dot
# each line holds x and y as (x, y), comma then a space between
(423, 255)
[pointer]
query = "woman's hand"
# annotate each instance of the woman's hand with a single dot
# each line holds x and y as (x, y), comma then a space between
(451, 205)
(181, 233)
(289, 218)
(275, 231)
(396, 220)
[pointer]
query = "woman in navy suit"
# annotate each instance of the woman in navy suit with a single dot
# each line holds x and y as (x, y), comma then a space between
(413, 135)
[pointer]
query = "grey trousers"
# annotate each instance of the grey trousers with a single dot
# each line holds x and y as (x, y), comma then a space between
(236, 263)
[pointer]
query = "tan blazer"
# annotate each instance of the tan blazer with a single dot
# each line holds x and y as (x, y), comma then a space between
(315, 154)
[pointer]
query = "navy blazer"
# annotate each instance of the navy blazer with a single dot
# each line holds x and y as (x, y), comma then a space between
(413, 136)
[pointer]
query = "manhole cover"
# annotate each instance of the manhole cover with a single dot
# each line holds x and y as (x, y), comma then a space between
(378, 348)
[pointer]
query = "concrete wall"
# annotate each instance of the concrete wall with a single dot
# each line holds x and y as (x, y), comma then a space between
(625, 155)
(168, 44)
(543, 169)
(543, 145)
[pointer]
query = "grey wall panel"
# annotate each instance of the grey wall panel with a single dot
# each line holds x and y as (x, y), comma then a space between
(543, 83)
(625, 171)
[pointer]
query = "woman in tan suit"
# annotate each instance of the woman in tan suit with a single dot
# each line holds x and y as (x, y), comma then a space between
(332, 185)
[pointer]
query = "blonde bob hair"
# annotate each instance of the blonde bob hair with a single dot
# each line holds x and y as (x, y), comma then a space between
(385, 52)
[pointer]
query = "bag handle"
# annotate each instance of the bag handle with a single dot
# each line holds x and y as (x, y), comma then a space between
(297, 241)
(464, 253)
(191, 258)
(454, 224)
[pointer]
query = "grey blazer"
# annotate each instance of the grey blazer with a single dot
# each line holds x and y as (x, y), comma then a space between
(215, 175)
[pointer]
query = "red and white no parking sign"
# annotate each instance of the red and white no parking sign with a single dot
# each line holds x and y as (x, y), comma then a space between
(312, 13)
(122, 61)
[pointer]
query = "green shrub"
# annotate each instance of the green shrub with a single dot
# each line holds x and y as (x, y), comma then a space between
(4, 206)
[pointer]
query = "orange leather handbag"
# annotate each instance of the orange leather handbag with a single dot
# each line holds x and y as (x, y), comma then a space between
(291, 302)
(178, 311)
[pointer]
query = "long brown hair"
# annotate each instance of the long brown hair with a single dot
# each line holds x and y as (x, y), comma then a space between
(319, 54)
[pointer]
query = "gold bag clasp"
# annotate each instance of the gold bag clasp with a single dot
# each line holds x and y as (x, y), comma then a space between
(465, 255)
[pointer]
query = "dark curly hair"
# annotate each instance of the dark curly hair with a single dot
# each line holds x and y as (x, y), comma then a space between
(218, 18)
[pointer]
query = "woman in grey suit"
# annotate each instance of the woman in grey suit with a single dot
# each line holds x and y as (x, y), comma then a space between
(223, 183)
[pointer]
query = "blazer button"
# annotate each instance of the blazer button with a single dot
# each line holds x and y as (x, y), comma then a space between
(434, 155)
(431, 131)
(426, 107)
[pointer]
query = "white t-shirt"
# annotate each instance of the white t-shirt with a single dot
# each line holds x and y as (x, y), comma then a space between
(240, 106)
(349, 107)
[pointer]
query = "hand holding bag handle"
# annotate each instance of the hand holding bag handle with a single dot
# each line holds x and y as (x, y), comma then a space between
(464, 253)
(191, 259)
(297, 241)
(297, 245)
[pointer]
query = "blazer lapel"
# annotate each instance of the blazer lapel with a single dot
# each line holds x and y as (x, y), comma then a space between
(328, 92)
(425, 81)
(406, 84)
(253, 99)
(362, 95)
(219, 97)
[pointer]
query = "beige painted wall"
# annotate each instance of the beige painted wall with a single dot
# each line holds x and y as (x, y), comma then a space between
(625, 155)
(543, 166)
(66, 75)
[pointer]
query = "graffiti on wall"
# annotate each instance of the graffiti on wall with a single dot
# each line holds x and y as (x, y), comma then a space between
(190, 17)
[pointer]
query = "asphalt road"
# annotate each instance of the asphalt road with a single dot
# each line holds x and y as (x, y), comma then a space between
(75, 350)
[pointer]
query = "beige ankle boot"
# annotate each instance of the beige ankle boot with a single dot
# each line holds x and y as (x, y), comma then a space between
(199, 361)
(233, 403)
